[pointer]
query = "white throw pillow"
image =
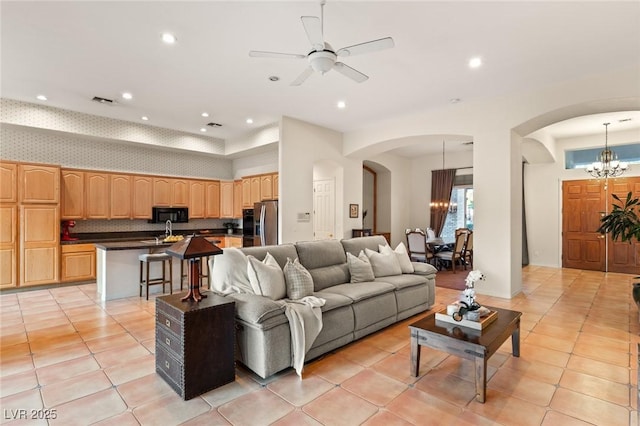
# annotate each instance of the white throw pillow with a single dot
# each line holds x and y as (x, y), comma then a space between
(403, 257)
(229, 272)
(297, 279)
(383, 264)
(266, 277)
(360, 268)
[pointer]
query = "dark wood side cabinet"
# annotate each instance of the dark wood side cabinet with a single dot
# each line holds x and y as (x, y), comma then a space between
(360, 233)
(195, 343)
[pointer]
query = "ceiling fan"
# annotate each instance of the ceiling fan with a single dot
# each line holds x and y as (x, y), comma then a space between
(323, 57)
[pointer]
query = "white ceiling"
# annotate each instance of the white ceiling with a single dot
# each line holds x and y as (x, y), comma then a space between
(72, 51)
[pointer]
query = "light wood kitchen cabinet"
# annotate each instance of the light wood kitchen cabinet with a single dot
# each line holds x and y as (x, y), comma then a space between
(237, 199)
(246, 193)
(120, 198)
(38, 184)
(8, 182)
(8, 245)
(179, 193)
(161, 192)
(72, 203)
(97, 195)
(233, 241)
(276, 186)
(78, 262)
(266, 187)
(256, 195)
(212, 199)
(226, 199)
(39, 244)
(196, 199)
(142, 199)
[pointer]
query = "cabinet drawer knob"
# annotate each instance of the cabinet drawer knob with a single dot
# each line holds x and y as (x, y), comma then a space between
(166, 364)
(167, 322)
(167, 341)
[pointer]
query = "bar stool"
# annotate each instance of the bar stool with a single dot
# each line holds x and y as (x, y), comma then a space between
(155, 257)
(184, 270)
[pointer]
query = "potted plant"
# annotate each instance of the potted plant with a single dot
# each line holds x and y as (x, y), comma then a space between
(623, 223)
(229, 226)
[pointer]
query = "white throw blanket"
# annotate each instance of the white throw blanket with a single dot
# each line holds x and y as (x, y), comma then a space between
(305, 323)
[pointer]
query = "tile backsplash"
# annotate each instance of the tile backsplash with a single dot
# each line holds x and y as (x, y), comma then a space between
(88, 226)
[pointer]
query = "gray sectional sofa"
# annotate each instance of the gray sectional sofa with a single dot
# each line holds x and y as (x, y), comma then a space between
(351, 311)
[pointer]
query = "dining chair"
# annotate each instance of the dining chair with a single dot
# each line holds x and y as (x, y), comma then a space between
(455, 256)
(468, 251)
(431, 234)
(417, 247)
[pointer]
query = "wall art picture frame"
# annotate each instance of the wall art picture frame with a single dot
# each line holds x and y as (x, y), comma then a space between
(353, 210)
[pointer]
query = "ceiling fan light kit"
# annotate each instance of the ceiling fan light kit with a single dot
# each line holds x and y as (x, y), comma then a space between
(322, 58)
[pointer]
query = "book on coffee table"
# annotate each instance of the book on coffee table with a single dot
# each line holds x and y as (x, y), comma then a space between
(477, 325)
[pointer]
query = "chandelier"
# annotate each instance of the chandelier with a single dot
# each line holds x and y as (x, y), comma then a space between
(607, 164)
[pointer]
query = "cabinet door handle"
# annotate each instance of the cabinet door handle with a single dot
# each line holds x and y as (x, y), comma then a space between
(167, 341)
(167, 322)
(166, 364)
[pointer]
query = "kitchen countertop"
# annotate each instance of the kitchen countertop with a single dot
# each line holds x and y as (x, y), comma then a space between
(137, 237)
(137, 245)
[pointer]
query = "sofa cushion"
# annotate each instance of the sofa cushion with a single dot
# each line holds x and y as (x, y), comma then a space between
(229, 272)
(421, 268)
(280, 252)
(319, 254)
(360, 268)
(329, 276)
(332, 300)
(298, 280)
(401, 254)
(356, 245)
(361, 291)
(266, 277)
(383, 264)
(404, 280)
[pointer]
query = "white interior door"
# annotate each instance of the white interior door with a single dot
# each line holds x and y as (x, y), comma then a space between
(324, 209)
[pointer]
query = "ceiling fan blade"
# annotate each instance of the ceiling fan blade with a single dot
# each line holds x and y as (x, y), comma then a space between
(366, 47)
(302, 77)
(313, 28)
(347, 71)
(260, 54)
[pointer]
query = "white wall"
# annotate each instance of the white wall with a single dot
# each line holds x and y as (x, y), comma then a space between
(265, 162)
(543, 195)
(302, 145)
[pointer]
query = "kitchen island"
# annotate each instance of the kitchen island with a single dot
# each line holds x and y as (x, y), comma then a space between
(118, 267)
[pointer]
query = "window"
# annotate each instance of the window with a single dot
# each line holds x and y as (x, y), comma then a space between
(460, 213)
(581, 158)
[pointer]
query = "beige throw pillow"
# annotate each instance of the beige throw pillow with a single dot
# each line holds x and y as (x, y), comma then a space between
(403, 257)
(360, 268)
(229, 272)
(383, 264)
(298, 280)
(266, 277)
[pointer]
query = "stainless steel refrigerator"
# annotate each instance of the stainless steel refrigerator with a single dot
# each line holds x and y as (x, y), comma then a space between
(266, 223)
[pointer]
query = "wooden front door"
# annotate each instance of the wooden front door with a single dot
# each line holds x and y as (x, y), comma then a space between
(584, 202)
(582, 206)
(623, 257)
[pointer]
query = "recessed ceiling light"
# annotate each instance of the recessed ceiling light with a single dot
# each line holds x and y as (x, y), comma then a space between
(475, 62)
(249, 120)
(274, 78)
(454, 100)
(169, 38)
(41, 97)
(145, 118)
(127, 95)
(205, 114)
(342, 104)
(202, 129)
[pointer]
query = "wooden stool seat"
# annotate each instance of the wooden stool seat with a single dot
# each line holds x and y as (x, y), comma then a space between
(148, 281)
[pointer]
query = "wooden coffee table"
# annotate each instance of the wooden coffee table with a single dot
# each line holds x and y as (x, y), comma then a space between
(468, 343)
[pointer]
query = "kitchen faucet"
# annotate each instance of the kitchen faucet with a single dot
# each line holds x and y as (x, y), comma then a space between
(167, 229)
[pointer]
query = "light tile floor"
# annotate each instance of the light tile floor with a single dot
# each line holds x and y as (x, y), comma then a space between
(92, 362)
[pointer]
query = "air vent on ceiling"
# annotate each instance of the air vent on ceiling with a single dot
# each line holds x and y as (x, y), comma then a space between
(467, 143)
(214, 124)
(103, 100)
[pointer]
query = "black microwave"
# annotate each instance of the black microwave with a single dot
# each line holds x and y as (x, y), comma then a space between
(174, 214)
